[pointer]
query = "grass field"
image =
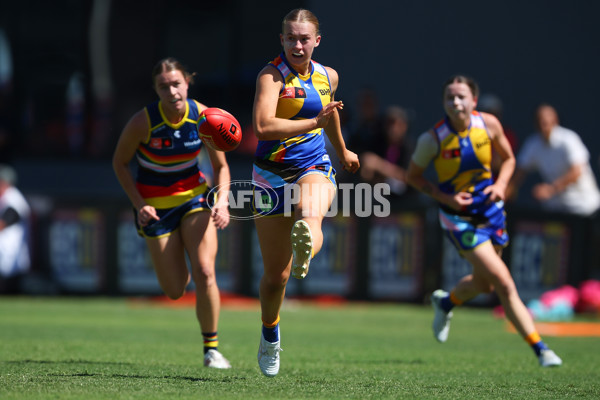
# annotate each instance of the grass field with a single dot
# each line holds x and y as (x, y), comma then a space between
(88, 348)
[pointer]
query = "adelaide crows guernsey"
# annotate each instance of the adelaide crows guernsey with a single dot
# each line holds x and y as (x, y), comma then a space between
(168, 173)
(302, 97)
(463, 163)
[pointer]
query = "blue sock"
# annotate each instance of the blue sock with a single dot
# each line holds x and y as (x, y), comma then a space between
(446, 304)
(271, 334)
(538, 347)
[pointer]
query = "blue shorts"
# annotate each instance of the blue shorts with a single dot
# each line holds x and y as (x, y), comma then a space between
(275, 201)
(466, 233)
(170, 218)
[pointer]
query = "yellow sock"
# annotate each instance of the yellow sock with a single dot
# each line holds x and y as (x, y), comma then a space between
(211, 340)
(533, 338)
(271, 325)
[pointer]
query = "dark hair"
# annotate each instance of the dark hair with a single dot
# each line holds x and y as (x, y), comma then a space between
(470, 82)
(301, 15)
(539, 108)
(171, 64)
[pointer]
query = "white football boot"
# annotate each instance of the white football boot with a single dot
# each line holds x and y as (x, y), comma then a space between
(441, 319)
(302, 246)
(214, 359)
(548, 358)
(268, 356)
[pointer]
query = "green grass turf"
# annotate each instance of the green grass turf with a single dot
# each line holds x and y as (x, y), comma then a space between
(87, 348)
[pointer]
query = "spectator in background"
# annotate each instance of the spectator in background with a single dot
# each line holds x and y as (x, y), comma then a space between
(7, 145)
(8, 113)
(490, 103)
(9, 139)
(388, 152)
(368, 120)
(563, 162)
(14, 232)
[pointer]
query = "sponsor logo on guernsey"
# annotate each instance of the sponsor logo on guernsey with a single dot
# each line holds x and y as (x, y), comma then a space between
(450, 153)
(481, 144)
(325, 157)
(161, 143)
(156, 143)
(293, 93)
(192, 143)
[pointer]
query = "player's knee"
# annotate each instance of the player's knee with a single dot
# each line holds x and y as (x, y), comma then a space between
(174, 293)
(276, 281)
(204, 276)
(505, 289)
(485, 288)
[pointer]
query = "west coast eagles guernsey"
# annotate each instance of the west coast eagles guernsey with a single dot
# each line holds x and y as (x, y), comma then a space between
(302, 97)
(462, 163)
(168, 173)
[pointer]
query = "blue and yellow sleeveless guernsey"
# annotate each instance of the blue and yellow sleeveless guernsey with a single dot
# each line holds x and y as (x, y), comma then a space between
(278, 162)
(463, 164)
(168, 173)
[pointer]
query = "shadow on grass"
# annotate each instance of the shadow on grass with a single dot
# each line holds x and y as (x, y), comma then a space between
(224, 379)
(27, 361)
(385, 361)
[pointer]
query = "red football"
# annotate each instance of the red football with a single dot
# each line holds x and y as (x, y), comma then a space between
(219, 129)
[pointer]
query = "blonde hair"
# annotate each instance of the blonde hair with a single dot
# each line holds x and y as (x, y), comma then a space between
(301, 15)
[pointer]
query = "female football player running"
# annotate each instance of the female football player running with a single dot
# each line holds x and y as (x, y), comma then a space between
(294, 107)
(471, 205)
(170, 196)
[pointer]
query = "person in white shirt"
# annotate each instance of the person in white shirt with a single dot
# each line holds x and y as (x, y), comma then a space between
(563, 162)
(14, 231)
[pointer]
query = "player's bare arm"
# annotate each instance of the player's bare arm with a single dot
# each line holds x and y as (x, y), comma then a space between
(501, 145)
(266, 125)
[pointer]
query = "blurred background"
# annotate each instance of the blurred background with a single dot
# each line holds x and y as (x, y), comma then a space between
(73, 71)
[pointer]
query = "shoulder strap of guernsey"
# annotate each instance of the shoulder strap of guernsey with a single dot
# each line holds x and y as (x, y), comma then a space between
(319, 68)
(154, 115)
(194, 110)
(477, 120)
(440, 132)
(282, 66)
